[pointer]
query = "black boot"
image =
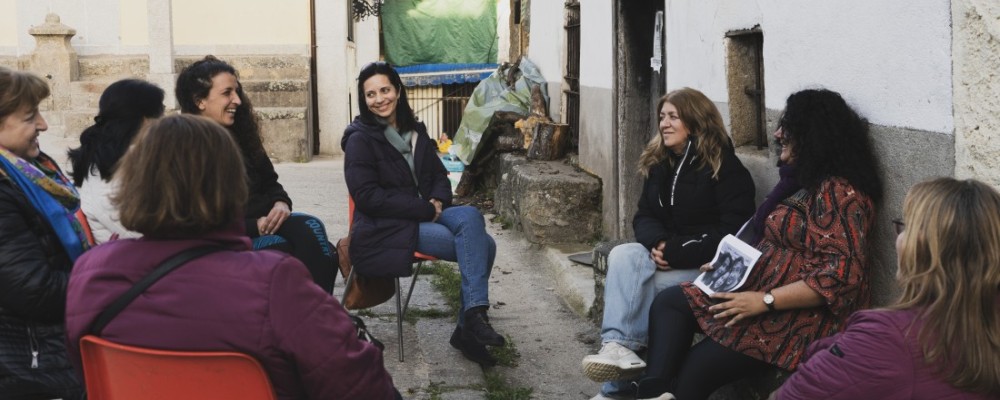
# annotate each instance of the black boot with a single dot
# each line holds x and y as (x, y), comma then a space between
(473, 351)
(477, 328)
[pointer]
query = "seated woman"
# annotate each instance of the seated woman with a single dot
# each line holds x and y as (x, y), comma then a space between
(403, 204)
(183, 185)
(939, 341)
(42, 231)
(210, 87)
(124, 108)
(696, 191)
(813, 231)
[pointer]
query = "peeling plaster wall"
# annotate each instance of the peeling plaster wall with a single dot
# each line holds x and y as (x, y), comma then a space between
(597, 140)
(977, 89)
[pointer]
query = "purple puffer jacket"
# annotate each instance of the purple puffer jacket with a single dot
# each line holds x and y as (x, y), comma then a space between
(877, 356)
(262, 303)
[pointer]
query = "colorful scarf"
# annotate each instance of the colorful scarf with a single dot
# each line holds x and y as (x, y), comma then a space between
(52, 194)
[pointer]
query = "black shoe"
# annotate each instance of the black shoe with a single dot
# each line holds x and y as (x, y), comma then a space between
(477, 328)
(475, 352)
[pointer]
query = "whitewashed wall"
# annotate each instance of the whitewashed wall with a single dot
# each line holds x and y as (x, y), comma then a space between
(547, 47)
(889, 58)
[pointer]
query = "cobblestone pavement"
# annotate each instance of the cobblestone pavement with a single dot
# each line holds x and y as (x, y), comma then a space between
(550, 338)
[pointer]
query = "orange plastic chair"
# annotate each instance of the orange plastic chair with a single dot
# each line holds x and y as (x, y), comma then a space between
(118, 372)
(418, 259)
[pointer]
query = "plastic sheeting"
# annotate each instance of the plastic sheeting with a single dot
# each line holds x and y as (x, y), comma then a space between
(492, 95)
(440, 31)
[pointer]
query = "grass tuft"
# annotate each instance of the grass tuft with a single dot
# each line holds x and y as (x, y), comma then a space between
(496, 388)
(507, 355)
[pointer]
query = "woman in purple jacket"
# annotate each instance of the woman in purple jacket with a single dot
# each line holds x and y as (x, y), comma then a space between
(941, 340)
(403, 204)
(183, 185)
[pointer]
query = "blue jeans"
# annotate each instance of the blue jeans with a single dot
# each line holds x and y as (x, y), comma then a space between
(460, 235)
(632, 283)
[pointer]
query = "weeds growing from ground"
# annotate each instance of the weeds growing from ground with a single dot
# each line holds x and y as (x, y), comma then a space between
(507, 355)
(496, 388)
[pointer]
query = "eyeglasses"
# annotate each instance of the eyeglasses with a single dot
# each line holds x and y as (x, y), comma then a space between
(899, 224)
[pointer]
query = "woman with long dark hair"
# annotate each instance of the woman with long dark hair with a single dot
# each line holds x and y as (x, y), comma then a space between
(124, 108)
(403, 204)
(941, 339)
(211, 88)
(812, 230)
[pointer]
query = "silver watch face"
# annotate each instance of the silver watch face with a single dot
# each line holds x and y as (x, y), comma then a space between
(768, 298)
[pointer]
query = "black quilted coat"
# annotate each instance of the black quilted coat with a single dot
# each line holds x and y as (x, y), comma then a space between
(389, 206)
(34, 270)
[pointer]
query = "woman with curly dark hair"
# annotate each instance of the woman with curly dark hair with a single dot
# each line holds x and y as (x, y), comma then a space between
(812, 230)
(211, 88)
(124, 108)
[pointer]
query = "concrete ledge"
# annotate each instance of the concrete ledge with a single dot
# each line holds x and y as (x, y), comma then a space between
(284, 133)
(574, 283)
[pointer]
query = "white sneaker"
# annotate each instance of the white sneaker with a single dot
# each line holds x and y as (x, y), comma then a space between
(614, 362)
(665, 396)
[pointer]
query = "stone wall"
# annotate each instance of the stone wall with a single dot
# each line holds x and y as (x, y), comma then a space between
(976, 53)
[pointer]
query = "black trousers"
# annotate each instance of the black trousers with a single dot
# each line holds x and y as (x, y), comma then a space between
(689, 372)
(305, 238)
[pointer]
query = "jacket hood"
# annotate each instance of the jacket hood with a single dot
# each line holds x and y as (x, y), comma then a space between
(360, 126)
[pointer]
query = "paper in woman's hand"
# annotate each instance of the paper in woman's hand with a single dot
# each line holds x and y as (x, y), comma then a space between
(732, 264)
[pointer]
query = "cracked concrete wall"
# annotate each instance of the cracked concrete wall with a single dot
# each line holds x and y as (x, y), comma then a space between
(976, 55)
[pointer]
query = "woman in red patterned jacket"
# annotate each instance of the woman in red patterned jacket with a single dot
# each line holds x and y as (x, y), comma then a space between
(813, 231)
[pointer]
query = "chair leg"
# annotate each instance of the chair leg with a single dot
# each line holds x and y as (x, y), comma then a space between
(413, 282)
(347, 285)
(399, 318)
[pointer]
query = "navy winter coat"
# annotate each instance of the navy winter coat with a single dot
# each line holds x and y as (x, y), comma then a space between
(704, 209)
(388, 206)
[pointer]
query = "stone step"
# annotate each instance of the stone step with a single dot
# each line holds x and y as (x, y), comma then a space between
(550, 201)
(278, 92)
(113, 67)
(285, 133)
(259, 67)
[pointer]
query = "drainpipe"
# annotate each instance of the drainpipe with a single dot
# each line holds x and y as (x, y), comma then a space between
(314, 96)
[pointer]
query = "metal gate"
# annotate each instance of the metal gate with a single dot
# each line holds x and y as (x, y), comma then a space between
(440, 107)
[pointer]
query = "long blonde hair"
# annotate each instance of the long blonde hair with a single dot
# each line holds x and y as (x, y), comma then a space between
(703, 121)
(949, 266)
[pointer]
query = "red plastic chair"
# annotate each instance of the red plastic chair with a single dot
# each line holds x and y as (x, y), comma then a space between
(118, 372)
(401, 306)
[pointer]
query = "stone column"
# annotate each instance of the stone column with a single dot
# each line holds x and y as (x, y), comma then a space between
(161, 49)
(55, 59)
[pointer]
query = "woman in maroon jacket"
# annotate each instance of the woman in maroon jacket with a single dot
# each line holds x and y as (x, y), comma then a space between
(183, 185)
(941, 340)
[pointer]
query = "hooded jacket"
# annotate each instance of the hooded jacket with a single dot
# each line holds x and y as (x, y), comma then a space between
(388, 205)
(689, 210)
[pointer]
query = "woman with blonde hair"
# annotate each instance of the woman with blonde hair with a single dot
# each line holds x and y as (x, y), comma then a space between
(696, 191)
(941, 339)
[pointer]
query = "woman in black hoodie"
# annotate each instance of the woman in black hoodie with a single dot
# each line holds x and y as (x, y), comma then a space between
(696, 191)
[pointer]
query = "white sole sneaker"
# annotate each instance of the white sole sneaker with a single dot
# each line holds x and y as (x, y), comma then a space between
(614, 362)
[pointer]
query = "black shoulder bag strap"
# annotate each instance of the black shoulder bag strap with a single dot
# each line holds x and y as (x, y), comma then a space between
(163, 269)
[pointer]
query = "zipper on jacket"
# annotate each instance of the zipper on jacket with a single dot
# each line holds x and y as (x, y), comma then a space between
(703, 236)
(680, 165)
(33, 342)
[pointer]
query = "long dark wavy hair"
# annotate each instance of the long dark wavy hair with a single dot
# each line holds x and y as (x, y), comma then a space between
(404, 113)
(829, 139)
(193, 84)
(123, 107)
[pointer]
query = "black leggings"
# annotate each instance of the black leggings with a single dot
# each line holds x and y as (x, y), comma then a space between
(305, 239)
(691, 372)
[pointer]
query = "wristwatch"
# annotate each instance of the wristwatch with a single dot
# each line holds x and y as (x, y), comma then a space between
(769, 300)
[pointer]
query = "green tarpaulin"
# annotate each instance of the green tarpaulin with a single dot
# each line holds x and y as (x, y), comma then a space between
(439, 31)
